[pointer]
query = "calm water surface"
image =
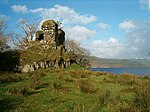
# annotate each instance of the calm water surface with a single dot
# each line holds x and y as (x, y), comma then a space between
(138, 71)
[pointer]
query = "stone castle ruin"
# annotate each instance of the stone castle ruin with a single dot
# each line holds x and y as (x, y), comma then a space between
(51, 33)
(48, 50)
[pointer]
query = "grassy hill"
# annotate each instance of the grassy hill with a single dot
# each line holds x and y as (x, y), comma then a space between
(102, 62)
(73, 89)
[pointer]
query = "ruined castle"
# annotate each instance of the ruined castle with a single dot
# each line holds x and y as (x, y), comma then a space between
(48, 49)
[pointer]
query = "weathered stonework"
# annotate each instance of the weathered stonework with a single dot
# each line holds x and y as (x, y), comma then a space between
(48, 50)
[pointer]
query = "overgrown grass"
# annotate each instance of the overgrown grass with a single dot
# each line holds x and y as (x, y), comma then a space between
(87, 87)
(142, 97)
(20, 91)
(9, 77)
(125, 79)
(35, 80)
(75, 89)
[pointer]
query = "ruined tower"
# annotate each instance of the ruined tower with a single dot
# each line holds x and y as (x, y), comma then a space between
(51, 33)
(49, 49)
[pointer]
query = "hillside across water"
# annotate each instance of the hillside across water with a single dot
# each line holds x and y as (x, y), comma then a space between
(96, 62)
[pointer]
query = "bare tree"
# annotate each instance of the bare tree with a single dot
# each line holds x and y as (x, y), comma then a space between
(4, 35)
(28, 31)
(74, 47)
(77, 53)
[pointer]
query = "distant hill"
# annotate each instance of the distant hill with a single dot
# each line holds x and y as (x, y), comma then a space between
(96, 62)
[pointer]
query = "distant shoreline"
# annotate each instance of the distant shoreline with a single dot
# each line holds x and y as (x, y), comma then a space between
(134, 70)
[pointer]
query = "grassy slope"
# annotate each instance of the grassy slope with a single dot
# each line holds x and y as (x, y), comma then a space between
(74, 90)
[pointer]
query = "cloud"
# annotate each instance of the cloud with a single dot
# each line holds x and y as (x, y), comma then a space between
(110, 48)
(64, 14)
(136, 44)
(79, 33)
(139, 38)
(37, 10)
(127, 25)
(103, 26)
(20, 9)
(59, 13)
(145, 4)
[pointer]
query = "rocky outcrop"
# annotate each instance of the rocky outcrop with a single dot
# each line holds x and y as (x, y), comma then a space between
(47, 64)
(28, 68)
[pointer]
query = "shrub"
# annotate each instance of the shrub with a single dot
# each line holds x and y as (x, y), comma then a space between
(145, 77)
(57, 84)
(142, 97)
(86, 74)
(83, 75)
(82, 108)
(35, 80)
(21, 90)
(101, 73)
(99, 106)
(37, 85)
(87, 87)
(9, 77)
(108, 102)
(80, 74)
(127, 89)
(65, 78)
(75, 73)
(59, 71)
(38, 74)
(104, 98)
(128, 79)
(68, 79)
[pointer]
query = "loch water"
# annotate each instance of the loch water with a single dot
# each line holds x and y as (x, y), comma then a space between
(138, 71)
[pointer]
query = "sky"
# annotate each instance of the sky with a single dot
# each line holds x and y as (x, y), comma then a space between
(106, 28)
